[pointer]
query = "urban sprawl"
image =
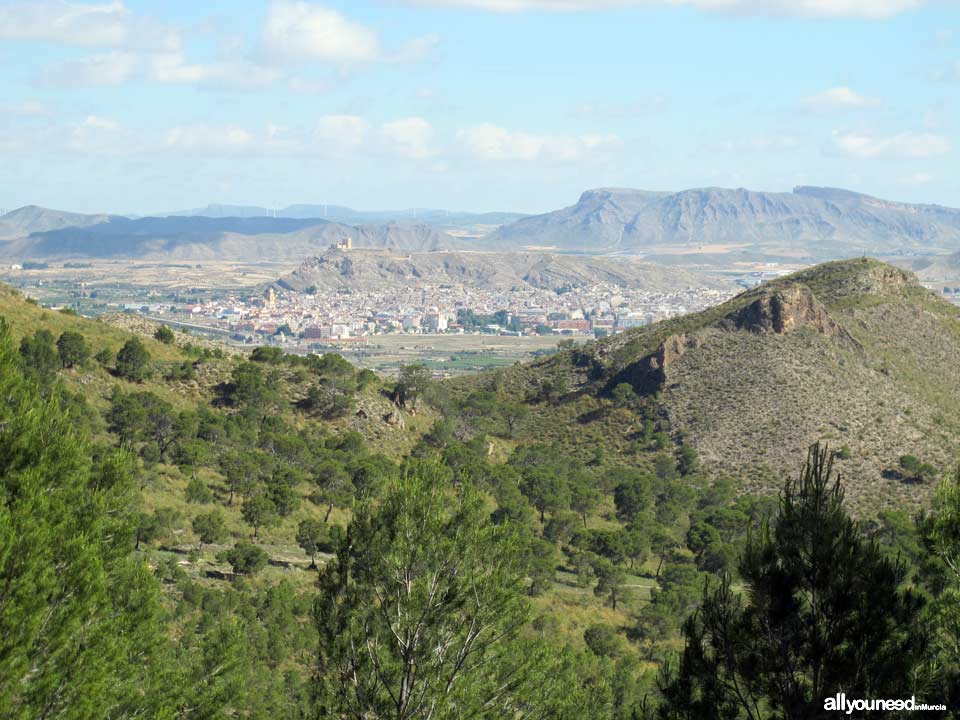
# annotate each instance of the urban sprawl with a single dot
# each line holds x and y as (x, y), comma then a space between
(340, 317)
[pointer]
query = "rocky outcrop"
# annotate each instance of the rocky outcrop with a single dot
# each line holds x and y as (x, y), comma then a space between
(778, 311)
(648, 375)
(394, 418)
(673, 348)
(784, 310)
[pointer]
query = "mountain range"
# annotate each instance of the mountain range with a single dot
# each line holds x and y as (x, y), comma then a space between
(350, 216)
(702, 226)
(33, 232)
(807, 224)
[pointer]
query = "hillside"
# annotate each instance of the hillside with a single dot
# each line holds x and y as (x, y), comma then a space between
(369, 269)
(809, 223)
(38, 233)
(224, 477)
(855, 353)
(31, 218)
(938, 269)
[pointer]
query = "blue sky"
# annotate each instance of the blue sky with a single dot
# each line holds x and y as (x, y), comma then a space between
(471, 104)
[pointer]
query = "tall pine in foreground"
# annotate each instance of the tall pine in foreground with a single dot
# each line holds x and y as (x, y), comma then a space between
(80, 629)
(822, 611)
(421, 615)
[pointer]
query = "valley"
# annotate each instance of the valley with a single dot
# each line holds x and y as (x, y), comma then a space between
(633, 467)
(479, 360)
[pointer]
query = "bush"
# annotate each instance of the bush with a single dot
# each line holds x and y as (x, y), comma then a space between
(269, 355)
(72, 349)
(602, 640)
(914, 470)
(198, 492)
(209, 528)
(245, 558)
(132, 361)
(365, 378)
(182, 371)
(164, 334)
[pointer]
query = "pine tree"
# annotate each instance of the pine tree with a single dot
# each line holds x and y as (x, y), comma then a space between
(72, 348)
(419, 614)
(823, 611)
(133, 360)
(80, 634)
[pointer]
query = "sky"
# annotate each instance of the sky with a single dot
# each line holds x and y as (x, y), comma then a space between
(518, 105)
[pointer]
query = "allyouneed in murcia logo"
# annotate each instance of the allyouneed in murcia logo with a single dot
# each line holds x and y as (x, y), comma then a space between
(841, 703)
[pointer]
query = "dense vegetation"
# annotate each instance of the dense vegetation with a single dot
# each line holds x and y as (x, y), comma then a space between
(191, 535)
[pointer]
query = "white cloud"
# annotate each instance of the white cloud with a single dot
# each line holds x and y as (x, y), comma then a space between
(99, 135)
(209, 138)
(491, 142)
(112, 68)
(294, 33)
(27, 108)
(410, 137)
(902, 145)
(106, 25)
(173, 69)
(118, 67)
(300, 31)
(870, 9)
(839, 98)
(867, 9)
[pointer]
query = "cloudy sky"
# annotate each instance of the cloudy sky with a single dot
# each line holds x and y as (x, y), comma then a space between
(471, 104)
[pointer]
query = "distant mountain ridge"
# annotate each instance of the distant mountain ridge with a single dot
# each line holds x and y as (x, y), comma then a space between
(350, 216)
(810, 223)
(699, 226)
(33, 218)
(40, 233)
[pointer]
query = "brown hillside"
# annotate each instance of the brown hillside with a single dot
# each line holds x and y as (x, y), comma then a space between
(855, 353)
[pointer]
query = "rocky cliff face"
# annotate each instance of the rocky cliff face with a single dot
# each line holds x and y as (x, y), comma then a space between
(779, 310)
(783, 311)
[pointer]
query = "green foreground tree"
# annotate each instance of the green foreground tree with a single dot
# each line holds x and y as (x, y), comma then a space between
(822, 611)
(80, 628)
(420, 614)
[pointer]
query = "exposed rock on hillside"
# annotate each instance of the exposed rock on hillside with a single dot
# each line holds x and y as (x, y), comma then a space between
(786, 310)
(853, 353)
